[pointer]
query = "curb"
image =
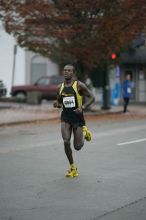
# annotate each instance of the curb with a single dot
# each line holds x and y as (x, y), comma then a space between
(96, 113)
(54, 118)
(33, 121)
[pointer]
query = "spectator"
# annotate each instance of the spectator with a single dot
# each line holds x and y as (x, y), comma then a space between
(126, 91)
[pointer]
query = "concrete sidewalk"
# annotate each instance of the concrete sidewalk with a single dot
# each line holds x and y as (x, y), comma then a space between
(17, 113)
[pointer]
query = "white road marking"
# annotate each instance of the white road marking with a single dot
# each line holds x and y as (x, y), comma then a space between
(132, 142)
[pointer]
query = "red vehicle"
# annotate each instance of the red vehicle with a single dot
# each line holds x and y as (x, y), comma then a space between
(46, 86)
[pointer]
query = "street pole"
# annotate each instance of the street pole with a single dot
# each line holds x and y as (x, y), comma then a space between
(106, 89)
(14, 62)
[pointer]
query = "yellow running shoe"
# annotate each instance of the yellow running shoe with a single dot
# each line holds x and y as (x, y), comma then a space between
(87, 134)
(72, 172)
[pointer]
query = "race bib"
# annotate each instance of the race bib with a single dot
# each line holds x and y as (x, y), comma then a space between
(129, 90)
(69, 102)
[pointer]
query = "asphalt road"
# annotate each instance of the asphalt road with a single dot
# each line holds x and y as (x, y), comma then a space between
(112, 173)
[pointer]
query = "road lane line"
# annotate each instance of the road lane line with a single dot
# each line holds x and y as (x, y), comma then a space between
(132, 142)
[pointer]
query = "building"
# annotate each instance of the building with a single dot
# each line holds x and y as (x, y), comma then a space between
(135, 62)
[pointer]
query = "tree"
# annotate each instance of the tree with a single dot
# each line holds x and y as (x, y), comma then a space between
(85, 32)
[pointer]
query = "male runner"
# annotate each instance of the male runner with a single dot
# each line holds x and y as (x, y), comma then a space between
(70, 95)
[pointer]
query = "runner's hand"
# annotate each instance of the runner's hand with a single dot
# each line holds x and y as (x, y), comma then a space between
(78, 110)
(56, 104)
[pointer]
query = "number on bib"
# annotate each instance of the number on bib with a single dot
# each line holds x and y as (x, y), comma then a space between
(69, 102)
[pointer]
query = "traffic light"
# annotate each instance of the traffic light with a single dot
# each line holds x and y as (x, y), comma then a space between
(113, 56)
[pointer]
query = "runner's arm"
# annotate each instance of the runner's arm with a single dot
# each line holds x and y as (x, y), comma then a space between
(84, 91)
(57, 103)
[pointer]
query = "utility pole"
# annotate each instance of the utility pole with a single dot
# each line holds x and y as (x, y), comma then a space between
(14, 62)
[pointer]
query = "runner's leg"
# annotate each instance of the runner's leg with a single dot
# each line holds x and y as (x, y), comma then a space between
(78, 138)
(66, 131)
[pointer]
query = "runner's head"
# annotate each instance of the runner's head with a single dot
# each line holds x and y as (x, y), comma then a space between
(68, 71)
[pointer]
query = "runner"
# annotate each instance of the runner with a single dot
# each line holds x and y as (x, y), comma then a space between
(69, 98)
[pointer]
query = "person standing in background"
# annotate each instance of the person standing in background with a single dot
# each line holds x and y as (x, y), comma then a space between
(89, 85)
(126, 91)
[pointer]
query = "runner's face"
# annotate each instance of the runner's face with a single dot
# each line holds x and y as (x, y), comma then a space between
(68, 72)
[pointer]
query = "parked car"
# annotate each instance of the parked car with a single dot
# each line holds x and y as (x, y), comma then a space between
(46, 86)
(3, 90)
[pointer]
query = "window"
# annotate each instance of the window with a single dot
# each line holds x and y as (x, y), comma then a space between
(43, 81)
(56, 80)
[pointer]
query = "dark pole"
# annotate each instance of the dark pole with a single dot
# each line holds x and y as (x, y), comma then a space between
(106, 89)
(14, 61)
